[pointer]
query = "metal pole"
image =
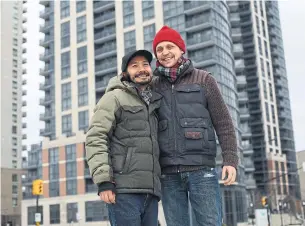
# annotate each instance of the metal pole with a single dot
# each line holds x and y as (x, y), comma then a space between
(37, 211)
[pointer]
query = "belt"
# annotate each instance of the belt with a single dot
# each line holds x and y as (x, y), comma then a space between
(180, 169)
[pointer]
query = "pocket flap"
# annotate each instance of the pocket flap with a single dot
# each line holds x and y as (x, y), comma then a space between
(188, 88)
(194, 122)
(132, 109)
(162, 125)
(194, 135)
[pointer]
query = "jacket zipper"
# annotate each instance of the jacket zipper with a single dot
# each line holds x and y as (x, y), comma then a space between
(174, 124)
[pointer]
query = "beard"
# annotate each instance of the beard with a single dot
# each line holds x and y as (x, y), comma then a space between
(139, 80)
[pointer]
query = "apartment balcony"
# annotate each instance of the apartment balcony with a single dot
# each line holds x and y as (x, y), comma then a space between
(24, 1)
(45, 101)
(110, 67)
(45, 132)
(46, 41)
(24, 147)
(24, 125)
(247, 149)
(24, 19)
(104, 20)
(194, 44)
(196, 7)
(24, 50)
(24, 70)
(24, 104)
(244, 114)
(234, 19)
(246, 133)
(24, 29)
(24, 137)
(44, 2)
(241, 81)
(24, 92)
(46, 116)
(46, 70)
(46, 26)
(100, 6)
(243, 97)
(24, 114)
(238, 50)
(239, 65)
(25, 9)
(24, 40)
(233, 5)
(104, 36)
(105, 52)
(46, 55)
(46, 85)
(24, 82)
(44, 14)
(197, 25)
(24, 60)
(236, 34)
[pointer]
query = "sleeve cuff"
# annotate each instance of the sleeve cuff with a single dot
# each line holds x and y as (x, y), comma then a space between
(106, 186)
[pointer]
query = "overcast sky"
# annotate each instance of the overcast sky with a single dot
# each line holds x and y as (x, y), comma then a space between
(292, 14)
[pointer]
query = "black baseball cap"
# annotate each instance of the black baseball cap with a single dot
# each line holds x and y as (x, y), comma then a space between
(127, 58)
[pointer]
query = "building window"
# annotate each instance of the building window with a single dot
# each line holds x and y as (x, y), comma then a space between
(15, 42)
(66, 96)
(267, 112)
(65, 34)
(15, 63)
(64, 9)
(14, 202)
(72, 210)
(270, 92)
(65, 65)
(149, 33)
(14, 163)
(54, 172)
(83, 120)
(55, 214)
(70, 169)
(71, 152)
(81, 29)
(82, 92)
(54, 189)
(128, 13)
(82, 60)
(273, 113)
(257, 25)
(31, 214)
(130, 41)
(148, 10)
(96, 211)
(15, 53)
(15, 178)
(66, 124)
(71, 186)
(53, 156)
(15, 189)
(14, 129)
(265, 90)
(275, 136)
(80, 6)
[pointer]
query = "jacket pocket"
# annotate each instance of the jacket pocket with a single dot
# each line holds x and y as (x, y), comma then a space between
(125, 168)
(163, 138)
(189, 93)
(134, 118)
(132, 109)
(195, 131)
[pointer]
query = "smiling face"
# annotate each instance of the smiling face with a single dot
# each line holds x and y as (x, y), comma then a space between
(139, 70)
(168, 53)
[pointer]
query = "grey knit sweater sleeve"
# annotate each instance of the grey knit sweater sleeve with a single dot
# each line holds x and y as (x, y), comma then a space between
(222, 122)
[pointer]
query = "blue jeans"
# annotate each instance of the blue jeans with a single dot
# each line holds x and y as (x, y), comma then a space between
(201, 188)
(134, 210)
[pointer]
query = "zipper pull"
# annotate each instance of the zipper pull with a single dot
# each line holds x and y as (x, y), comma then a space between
(173, 88)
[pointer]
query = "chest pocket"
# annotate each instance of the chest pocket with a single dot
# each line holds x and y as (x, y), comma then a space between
(189, 93)
(134, 117)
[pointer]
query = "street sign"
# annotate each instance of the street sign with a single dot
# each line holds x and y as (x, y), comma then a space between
(261, 217)
(37, 217)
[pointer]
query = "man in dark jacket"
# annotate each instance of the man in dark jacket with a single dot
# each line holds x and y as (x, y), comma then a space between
(121, 145)
(191, 109)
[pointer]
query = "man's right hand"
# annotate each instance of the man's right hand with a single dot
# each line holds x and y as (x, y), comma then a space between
(108, 196)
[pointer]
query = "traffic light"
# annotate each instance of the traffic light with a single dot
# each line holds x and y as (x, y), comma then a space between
(37, 188)
(264, 201)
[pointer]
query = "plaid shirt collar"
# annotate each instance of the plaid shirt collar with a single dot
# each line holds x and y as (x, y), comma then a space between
(173, 73)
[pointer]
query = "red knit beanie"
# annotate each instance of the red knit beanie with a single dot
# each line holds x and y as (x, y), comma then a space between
(168, 34)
